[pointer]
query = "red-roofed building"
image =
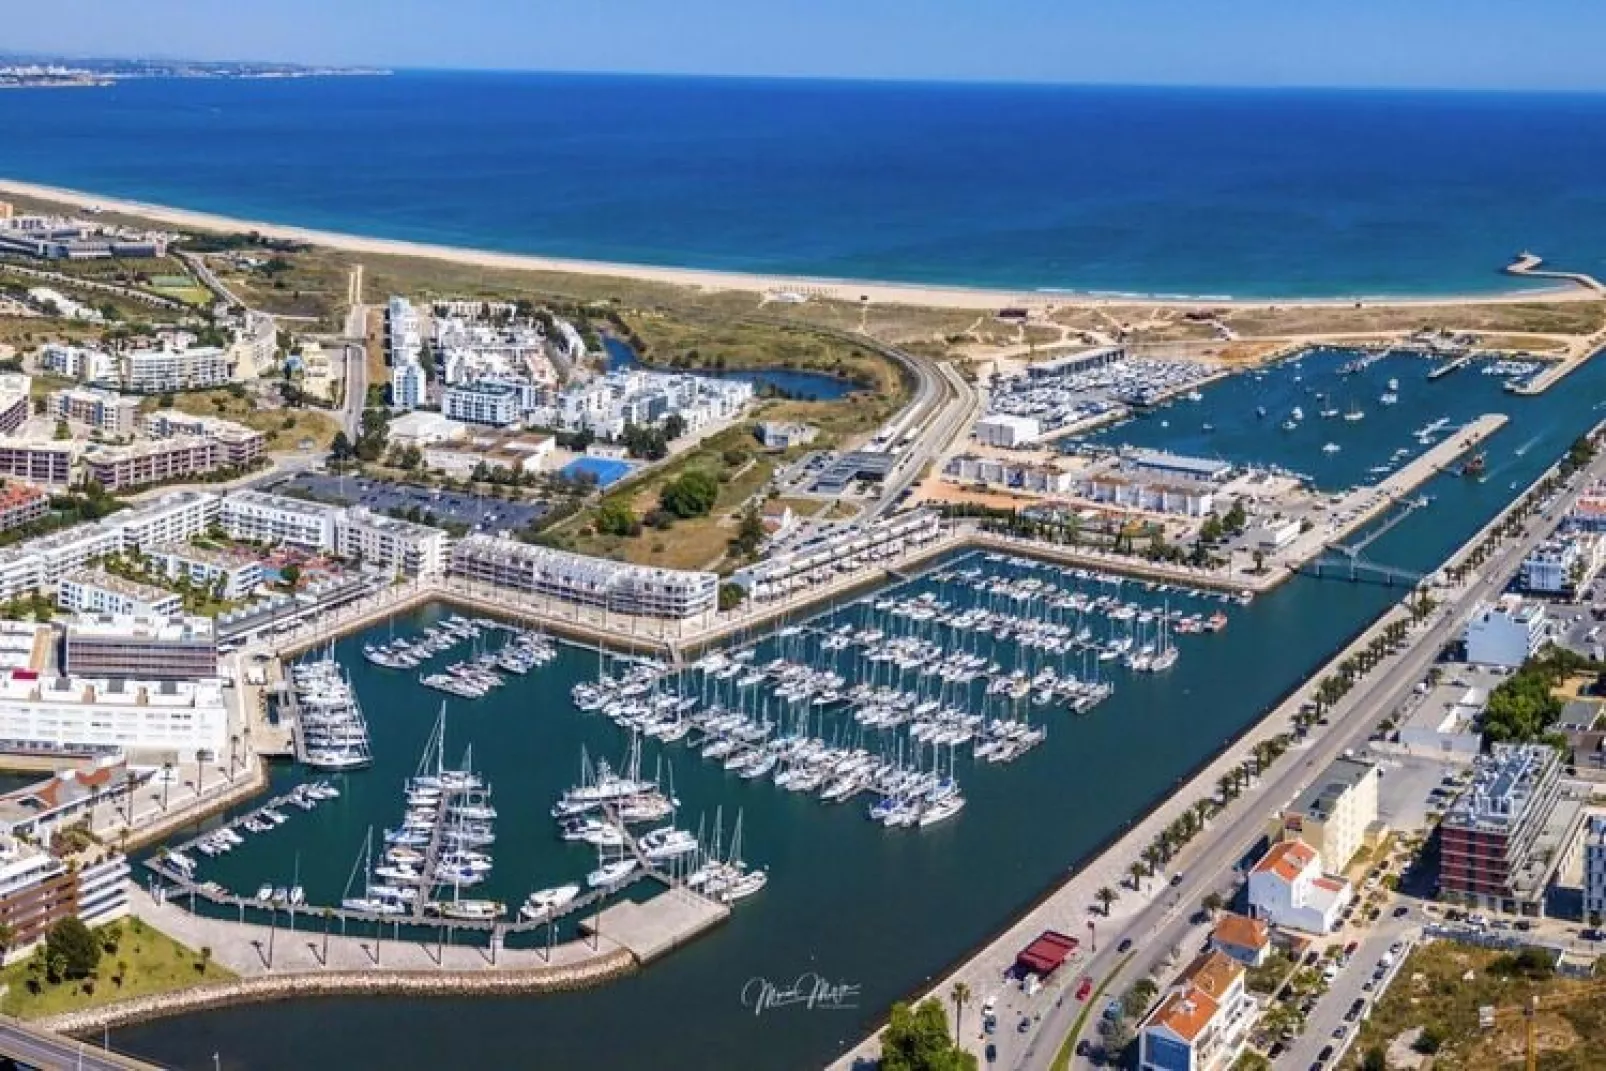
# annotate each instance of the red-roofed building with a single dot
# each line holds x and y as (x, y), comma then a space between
(1202, 1023)
(1245, 939)
(1045, 954)
(20, 504)
(1288, 889)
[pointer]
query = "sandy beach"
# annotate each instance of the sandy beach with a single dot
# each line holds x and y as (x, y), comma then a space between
(837, 289)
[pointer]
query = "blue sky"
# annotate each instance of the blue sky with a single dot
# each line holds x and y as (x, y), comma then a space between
(1540, 44)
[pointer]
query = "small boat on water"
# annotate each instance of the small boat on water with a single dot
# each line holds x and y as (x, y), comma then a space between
(542, 904)
(611, 873)
(1475, 465)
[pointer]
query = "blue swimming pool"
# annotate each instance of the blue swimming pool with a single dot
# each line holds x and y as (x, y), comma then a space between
(606, 470)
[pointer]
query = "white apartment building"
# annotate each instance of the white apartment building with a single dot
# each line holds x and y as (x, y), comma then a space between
(481, 403)
(256, 343)
(93, 591)
(421, 430)
(59, 553)
(616, 587)
(1008, 431)
(105, 411)
(41, 461)
(408, 387)
(69, 714)
(173, 518)
(265, 518)
(407, 548)
(191, 368)
(82, 363)
(1506, 633)
(606, 404)
(836, 552)
(1595, 869)
(1287, 888)
(208, 569)
(1562, 564)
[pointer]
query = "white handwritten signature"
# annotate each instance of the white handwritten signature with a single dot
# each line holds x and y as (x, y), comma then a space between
(808, 989)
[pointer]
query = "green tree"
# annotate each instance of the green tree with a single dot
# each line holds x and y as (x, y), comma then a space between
(916, 1039)
(960, 995)
(731, 596)
(692, 494)
(63, 432)
(291, 575)
(615, 518)
(1106, 896)
(71, 940)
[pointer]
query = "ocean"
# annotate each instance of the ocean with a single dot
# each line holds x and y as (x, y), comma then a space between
(1213, 192)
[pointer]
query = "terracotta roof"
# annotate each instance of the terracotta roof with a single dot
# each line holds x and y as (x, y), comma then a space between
(1213, 973)
(1185, 1012)
(1241, 932)
(1330, 884)
(1287, 859)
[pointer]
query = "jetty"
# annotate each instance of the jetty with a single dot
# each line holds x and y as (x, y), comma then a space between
(1530, 265)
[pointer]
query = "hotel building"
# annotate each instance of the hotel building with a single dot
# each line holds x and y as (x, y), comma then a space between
(613, 586)
(1506, 633)
(176, 517)
(140, 648)
(37, 890)
(481, 403)
(233, 578)
(1337, 814)
(94, 715)
(105, 411)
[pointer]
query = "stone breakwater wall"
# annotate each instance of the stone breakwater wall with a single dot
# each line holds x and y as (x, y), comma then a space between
(491, 981)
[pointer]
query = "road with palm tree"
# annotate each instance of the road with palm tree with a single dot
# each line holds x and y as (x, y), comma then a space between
(1375, 682)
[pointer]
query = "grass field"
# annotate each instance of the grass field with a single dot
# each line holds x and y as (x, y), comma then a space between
(695, 543)
(1441, 987)
(284, 428)
(146, 961)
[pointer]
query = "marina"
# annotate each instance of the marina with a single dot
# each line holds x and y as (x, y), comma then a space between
(903, 904)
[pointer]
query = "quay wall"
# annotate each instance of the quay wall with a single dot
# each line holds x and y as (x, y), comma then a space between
(375, 982)
(241, 789)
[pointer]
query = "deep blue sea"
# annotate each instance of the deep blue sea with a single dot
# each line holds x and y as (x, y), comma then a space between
(1156, 191)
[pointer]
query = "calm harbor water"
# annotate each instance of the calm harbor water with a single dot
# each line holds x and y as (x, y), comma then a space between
(794, 383)
(1099, 189)
(1225, 424)
(882, 909)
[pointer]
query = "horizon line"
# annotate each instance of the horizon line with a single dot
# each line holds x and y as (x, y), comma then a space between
(860, 79)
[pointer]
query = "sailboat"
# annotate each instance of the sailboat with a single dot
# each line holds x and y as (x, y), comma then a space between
(1354, 414)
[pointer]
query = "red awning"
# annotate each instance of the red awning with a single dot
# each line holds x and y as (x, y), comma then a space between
(1045, 954)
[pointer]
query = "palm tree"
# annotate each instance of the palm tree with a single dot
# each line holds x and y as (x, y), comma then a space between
(1106, 896)
(960, 995)
(1137, 872)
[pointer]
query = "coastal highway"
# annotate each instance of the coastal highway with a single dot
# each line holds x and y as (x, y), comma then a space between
(28, 1046)
(1207, 865)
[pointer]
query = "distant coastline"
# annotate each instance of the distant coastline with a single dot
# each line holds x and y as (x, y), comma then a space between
(772, 286)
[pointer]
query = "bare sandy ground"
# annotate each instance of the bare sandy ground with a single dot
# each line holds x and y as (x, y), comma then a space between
(840, 289)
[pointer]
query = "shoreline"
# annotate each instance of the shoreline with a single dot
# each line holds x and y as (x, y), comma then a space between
(869, 291)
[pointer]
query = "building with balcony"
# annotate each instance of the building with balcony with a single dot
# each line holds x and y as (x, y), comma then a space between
(616, 587)
(42, 461)
(76, 716)
(1337, 814)
(157, 371)
(94, 591)
(106, 411)
(231, 578)
(403, 547)
(140, 647)
(37, 890)
(278, 519)
(21, 504)
(1504, 837)
(1202, 1022)
(238, 446)
(481, 403)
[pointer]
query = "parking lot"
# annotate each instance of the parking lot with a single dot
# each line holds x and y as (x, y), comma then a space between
(474, 512)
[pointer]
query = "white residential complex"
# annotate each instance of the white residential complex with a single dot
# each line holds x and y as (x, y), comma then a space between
(1288, 889)
(837, 551)
(605, 405)
(105, 411)
(401, 546)
(94, 591)
(616, 587)
(496, 404)
(404, 344)
(386, 542)
(156, 371)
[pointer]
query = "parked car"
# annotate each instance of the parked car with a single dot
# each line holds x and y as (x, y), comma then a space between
(1126, 944)
(1084, 987)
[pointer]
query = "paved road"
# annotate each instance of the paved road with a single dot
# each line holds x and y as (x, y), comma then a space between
(355, 349)
(1208, 865)
(1350, 986)
(36, 1048)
